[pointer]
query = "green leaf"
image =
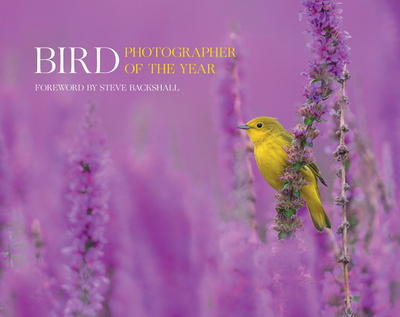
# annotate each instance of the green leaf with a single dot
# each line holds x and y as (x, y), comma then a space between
(286, 185)
(355, 298)
(282, 235)
(307, 102)
(289, 213)
(297, 193)
(297, 166)
(352, 221)
(314, 81)
(306, 143)
(308, 121)
(89, 244)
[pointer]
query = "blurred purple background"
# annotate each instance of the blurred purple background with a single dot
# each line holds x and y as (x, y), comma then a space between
(163, 145)
(276, 55)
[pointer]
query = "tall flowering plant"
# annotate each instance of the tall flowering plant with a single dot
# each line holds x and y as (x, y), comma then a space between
(330, 56)
(228, 114)
(88, 194)
(329, 65)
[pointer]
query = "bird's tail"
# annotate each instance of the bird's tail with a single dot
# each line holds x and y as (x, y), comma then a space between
(318, 215)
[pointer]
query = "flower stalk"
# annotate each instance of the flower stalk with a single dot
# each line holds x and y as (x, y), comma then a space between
(341, 155)
(238, 111)
(87, 217)
(330, 56)
(228, 114)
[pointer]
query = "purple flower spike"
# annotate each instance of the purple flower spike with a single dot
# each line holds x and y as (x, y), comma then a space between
(326, 68)
(86, 280)
(327, 44)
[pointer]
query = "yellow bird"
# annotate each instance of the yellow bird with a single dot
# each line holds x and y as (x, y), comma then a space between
(269, 137)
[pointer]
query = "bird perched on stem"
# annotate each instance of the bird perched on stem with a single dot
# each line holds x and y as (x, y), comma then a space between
(269, 139)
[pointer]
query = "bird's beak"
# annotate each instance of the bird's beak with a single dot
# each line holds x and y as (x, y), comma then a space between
(243, 126)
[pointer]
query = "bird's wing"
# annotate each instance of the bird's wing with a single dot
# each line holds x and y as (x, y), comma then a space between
(315, 170)
(288, 137)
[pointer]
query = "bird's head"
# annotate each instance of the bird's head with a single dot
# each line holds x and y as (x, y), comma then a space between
(260, 128)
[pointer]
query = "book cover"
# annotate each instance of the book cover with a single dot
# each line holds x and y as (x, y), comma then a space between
(126, 188)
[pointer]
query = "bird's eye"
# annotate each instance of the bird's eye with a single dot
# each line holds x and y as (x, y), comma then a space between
(259, 125)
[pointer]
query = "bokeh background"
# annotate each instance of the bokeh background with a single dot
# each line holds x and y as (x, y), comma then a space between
(172, 247)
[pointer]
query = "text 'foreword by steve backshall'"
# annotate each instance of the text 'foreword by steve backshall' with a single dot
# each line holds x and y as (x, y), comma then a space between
(106, 87)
